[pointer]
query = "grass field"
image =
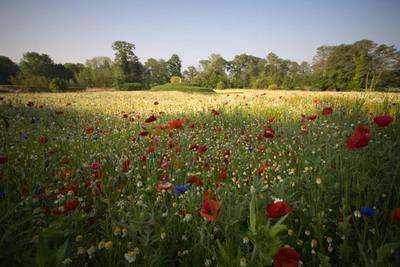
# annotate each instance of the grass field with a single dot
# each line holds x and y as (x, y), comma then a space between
(236, 178)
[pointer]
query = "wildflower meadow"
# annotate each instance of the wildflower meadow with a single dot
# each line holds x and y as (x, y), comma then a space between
(232, 178)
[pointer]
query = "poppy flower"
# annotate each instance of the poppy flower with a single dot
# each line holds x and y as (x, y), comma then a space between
(223, 173)
(202, 149)
(95, 166)
(268, 133)
(193, 147)
(59, 113)
(30, 104)
(165, 177)
(43, 139)
(360, 137)
(144, 133)
(277, 209)
(165, 186)
(71, 205)
(68, 189)
(1, 98)
(263, 167)
(383, 120)
(396, 214)
(150, 119)
(172, 143)
(327, 111)
(126, 165)
(309, 118)
(286, 257)
(215, 112)
(211, 210)
(65, 161)
(367, 212)
(156, 103)
(90, 130)
(3, 159)
(151, 149)
(176, 124)
(195, 180)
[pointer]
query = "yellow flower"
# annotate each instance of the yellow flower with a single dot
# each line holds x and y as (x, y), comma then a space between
(108, 244)
(117, 231)
(78, 238)
(243, 262)
(290, 232)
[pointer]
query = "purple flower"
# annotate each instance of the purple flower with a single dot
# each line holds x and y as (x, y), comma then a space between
(2, 195)
(181, 189)
(367, 212)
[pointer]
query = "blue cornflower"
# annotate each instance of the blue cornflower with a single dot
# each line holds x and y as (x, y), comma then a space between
(367, 212)
(2, 194)
(180, 189)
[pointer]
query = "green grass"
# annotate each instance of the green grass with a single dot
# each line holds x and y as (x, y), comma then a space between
(186, 88)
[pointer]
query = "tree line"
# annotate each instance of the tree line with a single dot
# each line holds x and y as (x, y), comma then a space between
(363, 65)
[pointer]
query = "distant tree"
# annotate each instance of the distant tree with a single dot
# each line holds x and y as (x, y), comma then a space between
(190, 73)
(98, 72)
(127, 61)
(212, 71)
(174, 65)
(245, 68)
(156, 72)
(8, 69)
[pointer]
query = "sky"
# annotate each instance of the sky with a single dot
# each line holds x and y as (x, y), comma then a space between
(76, 30)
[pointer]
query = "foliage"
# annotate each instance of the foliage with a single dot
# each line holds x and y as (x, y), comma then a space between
(182, 88)
(8, 69)
(174, 65)
(133, 86)
(58, 85)
(175, 80)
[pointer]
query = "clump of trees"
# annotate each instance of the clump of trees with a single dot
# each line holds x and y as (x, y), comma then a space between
(363, 65)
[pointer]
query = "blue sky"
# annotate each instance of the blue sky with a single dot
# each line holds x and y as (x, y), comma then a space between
(75, 30)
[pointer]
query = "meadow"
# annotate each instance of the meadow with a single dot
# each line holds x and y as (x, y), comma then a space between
(235, 178)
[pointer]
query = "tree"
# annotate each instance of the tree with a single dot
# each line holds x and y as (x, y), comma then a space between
(8, 69)
(98, 72)
(190, 73)
(245, 68)
(156, 72)
(127, 61)
(212, 71)
(174, 65)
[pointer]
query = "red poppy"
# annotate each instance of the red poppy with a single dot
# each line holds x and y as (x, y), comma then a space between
(327, 111)
(43, 139)
(172, 143)
(218, 129)
(144, 133)
(360, 137)
(304, 129)
(215, 112)
(151, 149)
(71, 205)
(150, 119)
(268, 133)
(202, 149)
(286, 257)
(211, 210)
(166, 186)
(263, 167)
(227, 155)
(277, 209)
(194, 147)
(90, 130)
(309, 118)
(126, 165)
(396, 214)
(176, 124)
(30, 104)
(95, 166)
(65, 161)
(165, 164)
(383, 120)
(3, 159)
(1, 98)
(223, 173)
(156, 103)
(68, 189)
(59, 112)
(195, 180)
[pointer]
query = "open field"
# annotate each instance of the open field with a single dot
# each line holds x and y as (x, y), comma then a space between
(176, 179)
